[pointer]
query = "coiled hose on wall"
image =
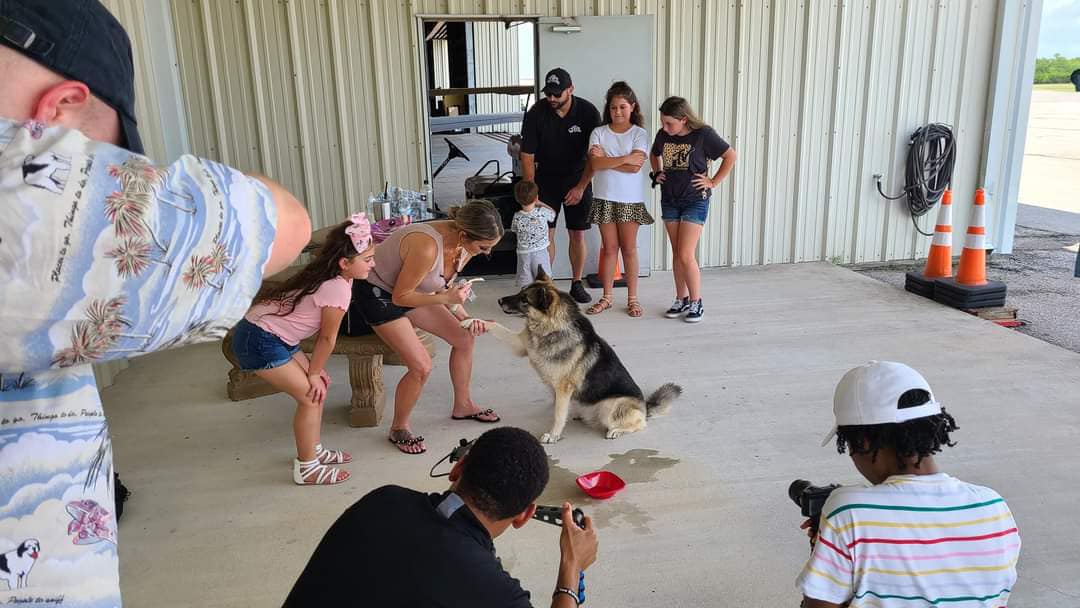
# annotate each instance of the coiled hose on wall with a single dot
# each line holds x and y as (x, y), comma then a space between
(930, 159)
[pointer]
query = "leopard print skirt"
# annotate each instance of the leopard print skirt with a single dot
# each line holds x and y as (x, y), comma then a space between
(608, 212)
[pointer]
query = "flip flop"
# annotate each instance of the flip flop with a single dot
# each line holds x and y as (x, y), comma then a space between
(477, 416)
(405, 439)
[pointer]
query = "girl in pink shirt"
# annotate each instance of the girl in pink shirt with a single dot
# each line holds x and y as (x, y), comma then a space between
(267, 340)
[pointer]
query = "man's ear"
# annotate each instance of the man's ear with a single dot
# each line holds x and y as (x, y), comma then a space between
(63, 104)
(455, 471)
(523, 518)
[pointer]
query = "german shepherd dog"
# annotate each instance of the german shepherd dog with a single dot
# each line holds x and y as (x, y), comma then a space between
(579, 365)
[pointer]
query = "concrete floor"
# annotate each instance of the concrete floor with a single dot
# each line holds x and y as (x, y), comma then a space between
(705, 519)
(449, 187)
(1039, 274)
(1051, 171)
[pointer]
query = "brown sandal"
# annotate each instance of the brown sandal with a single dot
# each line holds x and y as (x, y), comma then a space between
(633, 308)
(601, 305)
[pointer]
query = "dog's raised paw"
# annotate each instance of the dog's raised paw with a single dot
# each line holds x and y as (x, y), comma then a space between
(549, 438)
(613, 434)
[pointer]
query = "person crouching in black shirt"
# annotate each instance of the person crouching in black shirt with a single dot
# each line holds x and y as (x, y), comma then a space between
(400, 547)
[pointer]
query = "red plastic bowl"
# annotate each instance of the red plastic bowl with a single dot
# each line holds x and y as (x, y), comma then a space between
(600, 484)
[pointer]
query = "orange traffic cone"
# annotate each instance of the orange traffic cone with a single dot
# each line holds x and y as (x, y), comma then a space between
(939, 262)
(594, 279)
(972, 269)
(970, 289)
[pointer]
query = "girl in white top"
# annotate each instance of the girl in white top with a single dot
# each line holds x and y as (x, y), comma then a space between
(617, 152)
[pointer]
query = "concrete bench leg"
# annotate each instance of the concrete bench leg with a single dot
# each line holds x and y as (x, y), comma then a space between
(368, 392)
(246, 385)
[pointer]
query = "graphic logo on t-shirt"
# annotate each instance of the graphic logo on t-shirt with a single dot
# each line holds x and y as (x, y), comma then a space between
(574, 129)
(677, 157)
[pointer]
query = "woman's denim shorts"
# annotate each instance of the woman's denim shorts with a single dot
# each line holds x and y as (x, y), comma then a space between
(255, 348)
(693, 210)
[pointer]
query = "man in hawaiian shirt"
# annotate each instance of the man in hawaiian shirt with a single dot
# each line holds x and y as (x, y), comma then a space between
(103, 255)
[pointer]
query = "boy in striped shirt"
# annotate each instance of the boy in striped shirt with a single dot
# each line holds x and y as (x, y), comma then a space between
(917, 537)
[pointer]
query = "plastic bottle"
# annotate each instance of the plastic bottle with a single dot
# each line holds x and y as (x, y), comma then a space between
(427, 201)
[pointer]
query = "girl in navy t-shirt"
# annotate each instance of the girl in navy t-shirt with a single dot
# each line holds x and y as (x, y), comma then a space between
(680, 156)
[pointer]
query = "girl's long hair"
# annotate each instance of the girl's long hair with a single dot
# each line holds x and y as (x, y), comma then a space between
(677, 107)
(324, 267)
(621, 89)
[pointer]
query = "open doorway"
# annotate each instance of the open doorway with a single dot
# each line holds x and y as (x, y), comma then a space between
(479, 79)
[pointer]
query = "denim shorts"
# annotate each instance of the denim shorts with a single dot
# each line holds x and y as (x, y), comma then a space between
(693, 210)
(255, 348)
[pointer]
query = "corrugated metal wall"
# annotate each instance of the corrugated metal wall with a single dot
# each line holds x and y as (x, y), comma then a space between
(131, 14)
(816, 96)
(498, 48)
(440, 58)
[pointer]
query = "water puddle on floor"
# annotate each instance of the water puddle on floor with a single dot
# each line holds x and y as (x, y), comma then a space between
(634, 467)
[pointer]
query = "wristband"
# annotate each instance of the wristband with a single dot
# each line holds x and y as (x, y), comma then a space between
(566, 591)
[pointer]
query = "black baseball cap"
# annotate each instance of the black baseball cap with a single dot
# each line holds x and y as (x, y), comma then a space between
(80, 40)
(556, 81)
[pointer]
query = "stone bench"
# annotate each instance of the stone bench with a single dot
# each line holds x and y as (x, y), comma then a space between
(366, 354)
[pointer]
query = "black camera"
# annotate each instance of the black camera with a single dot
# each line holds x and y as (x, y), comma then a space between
(463, 446)
(553, 516)
(455, 455)
(810, 499)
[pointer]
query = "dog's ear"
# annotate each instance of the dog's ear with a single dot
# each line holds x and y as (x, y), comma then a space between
(541, 275)
(541, 298)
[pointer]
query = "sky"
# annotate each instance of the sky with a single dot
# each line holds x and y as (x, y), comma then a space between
(1060, 28)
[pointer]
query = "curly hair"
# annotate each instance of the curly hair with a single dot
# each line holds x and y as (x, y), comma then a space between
(916, 438)
(324, 267)
(504, 472)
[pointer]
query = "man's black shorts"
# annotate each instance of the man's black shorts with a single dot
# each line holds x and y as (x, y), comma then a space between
(552, 192)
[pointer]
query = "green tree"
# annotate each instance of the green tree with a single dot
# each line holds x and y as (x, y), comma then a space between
(1056, 69)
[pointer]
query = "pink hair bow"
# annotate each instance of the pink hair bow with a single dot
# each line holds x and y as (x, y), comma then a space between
(359, 231)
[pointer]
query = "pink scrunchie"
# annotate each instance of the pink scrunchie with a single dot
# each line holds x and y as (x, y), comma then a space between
(359, 231)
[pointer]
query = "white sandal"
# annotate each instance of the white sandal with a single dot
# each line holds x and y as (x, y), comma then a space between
(331, 456)
(304, 472)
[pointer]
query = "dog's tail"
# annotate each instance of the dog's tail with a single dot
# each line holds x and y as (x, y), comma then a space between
(659, 403)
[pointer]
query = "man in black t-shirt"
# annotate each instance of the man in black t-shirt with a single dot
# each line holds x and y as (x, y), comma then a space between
(400, 548)
(554, 143)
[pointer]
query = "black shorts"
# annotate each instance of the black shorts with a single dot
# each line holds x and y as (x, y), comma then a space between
(371, 306)
(552, 192)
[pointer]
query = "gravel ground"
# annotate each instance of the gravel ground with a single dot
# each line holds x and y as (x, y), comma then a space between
(1039, 274)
